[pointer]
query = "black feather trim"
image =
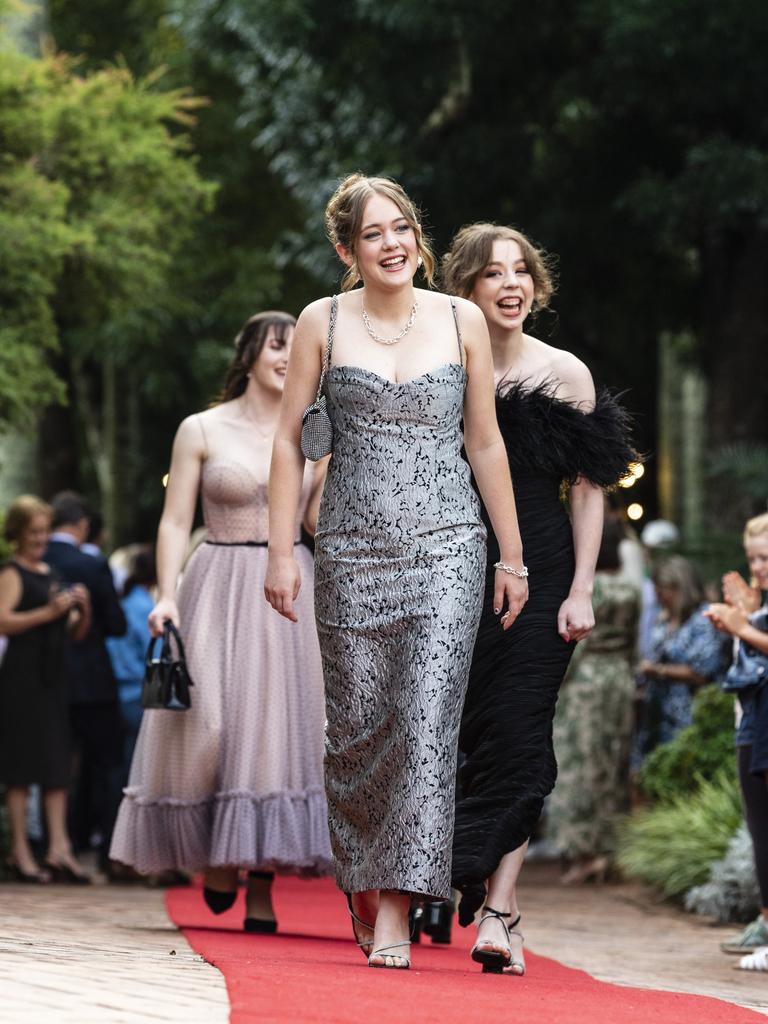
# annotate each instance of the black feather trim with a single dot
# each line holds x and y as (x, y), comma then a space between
(547, 434)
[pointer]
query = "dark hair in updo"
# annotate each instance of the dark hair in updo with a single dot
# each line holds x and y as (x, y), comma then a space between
(248, 346)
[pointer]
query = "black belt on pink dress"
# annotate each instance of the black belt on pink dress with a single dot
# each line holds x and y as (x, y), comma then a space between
(242, 543)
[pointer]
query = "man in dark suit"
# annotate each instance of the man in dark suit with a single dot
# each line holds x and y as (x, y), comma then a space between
(95, 709)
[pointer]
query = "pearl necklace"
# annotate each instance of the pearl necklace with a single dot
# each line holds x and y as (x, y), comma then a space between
(398, 337)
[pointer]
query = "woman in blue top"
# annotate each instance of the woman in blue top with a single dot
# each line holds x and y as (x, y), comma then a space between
(128, 652)
(686, 653)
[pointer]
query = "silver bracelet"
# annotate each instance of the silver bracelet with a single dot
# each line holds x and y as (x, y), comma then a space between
(522, 574)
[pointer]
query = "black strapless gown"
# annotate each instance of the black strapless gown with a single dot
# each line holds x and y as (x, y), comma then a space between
(506, 729)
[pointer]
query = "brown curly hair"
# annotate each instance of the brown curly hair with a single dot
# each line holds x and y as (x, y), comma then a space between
(470, 252)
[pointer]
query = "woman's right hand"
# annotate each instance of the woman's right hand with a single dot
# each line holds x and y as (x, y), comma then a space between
(166, 608)
(282, 585)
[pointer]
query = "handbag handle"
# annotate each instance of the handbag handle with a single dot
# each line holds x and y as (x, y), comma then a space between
(169, 630)
(328, 346)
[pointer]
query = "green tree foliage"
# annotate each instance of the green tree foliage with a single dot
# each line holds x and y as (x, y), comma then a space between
(34, 240)
(100, 198)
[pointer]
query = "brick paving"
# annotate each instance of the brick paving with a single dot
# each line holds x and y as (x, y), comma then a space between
(104, 954)
(109, 954)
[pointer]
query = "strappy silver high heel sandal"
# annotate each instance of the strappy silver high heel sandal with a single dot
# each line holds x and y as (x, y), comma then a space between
(363, 924)
(384, 951)
(494, 961)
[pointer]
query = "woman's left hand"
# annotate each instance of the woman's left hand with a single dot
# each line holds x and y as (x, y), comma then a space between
(576, 619)
(512, 589)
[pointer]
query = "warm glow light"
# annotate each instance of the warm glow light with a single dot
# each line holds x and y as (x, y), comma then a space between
(627, 481)
(165, 480)
(637, 469)
(635, 511)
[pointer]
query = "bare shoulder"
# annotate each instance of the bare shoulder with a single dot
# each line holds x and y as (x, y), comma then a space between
(190, 437)
(10, 582)
(574, 375)
(315, 316)
(470, 318)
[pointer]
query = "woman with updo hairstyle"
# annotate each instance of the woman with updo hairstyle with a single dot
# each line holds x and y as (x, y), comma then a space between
(399, 549)
(236, 781)
(37, 614)
(561, 439)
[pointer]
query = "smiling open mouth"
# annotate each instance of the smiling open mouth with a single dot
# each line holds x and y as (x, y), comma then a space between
(510, 305)
(393, 263)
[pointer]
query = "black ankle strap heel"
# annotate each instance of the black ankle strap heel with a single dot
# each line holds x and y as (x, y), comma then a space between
(483, 952)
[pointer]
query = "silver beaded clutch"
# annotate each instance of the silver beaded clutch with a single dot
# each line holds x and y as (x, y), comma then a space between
(316, 426)
(316, 431)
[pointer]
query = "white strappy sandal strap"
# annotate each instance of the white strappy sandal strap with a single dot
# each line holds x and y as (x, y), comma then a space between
(384, 951)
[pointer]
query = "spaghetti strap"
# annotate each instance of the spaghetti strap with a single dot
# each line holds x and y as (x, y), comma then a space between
(199, 419)
(458, 329)
(326, 364)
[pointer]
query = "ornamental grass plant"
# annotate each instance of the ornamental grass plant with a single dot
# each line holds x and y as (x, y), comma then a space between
(673, 845)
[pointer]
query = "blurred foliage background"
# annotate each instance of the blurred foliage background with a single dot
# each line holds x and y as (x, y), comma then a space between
(164, 165)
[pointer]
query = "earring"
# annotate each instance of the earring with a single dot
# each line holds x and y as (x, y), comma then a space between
(419, 262)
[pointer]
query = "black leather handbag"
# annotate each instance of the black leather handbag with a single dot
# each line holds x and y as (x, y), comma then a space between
(166, 678)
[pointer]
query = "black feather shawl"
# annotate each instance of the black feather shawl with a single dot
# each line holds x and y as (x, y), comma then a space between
(546, 434)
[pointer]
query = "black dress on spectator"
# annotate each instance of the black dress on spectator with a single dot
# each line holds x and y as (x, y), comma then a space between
(506, 730)
(34, 694)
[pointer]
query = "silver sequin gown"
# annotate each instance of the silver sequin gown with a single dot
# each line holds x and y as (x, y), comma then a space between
(399, 569)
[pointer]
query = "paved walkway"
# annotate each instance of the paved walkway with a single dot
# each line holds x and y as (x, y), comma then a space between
(620, 933)
(108, 954)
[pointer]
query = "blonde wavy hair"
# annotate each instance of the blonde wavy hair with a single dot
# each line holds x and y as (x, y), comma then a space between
(344, 218)
(756, 527)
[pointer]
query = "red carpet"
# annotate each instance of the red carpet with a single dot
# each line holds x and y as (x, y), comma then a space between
(312, 973)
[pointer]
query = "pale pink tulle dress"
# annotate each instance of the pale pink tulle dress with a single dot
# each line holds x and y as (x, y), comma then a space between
(238, 779)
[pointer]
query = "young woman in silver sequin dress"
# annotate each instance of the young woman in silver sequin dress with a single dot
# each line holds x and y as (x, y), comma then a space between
(400, 550)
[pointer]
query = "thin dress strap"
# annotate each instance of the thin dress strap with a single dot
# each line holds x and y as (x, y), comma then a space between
(329, 345)
(458, 329)
(202, 431)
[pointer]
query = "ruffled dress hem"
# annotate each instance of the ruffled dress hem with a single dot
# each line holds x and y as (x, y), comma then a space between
(283, 832)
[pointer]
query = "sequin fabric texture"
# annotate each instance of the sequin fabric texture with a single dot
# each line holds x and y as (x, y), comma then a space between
(399, 568)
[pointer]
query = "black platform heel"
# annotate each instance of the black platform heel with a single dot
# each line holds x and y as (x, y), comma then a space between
(261, 925)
